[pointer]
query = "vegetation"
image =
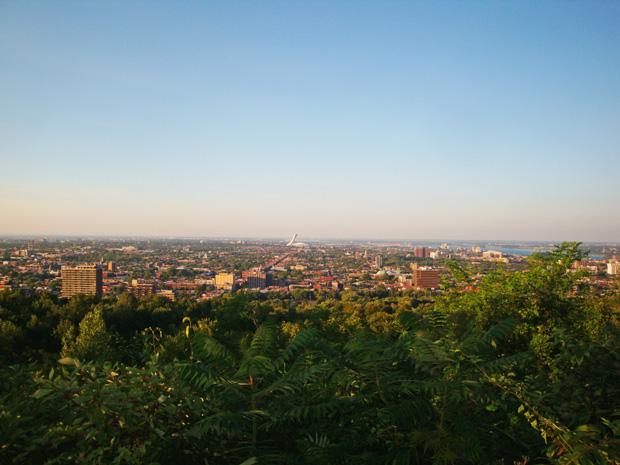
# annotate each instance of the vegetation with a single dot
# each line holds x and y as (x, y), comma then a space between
(524, 369)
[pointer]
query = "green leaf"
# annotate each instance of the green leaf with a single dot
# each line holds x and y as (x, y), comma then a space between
(250, 461)
(42, 393)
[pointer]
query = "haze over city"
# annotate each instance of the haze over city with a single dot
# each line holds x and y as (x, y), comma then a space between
(374, 120)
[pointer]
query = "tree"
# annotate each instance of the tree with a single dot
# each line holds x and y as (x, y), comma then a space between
(93, 341)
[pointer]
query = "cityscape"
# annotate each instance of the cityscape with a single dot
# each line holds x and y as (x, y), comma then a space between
(202, 269)
(362, 232)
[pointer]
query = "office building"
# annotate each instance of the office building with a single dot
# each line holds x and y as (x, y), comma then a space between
(82, 279)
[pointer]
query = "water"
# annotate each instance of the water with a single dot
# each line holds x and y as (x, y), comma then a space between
(528, 252)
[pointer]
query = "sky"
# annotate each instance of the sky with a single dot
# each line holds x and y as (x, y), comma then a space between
(349, 119)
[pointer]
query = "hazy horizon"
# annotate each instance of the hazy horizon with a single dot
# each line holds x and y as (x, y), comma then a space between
(360, 120)
(310, 240)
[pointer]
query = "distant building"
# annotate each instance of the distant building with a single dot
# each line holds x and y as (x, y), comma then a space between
(259, 279)
(379, 261)
(112, 266)
(225, 281)
(612, 268)
(579, 264)
(425, 278)
(292, 242)
(25, 253)
(420, 252)
(167, 293)
(141, 289)
(476, 249)
(6, 283)
(83, 279)
(491, 254)
(434, 255)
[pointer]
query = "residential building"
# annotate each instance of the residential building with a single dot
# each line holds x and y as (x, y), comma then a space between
(82, 279)
(420, 252)
(141, 289)
(225, 281)
(259, 279)
(425, 278)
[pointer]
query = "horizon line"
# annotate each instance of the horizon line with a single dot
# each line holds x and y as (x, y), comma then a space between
(284, 238)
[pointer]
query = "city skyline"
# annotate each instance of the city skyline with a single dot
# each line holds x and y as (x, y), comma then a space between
(356, 120)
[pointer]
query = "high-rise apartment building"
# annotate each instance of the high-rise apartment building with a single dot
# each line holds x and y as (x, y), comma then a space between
(258, 279)
(83, 279)
(420, 252)
(379, 261)
(425, 278)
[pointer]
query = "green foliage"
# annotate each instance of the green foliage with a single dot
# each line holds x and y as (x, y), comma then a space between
(525, 369)
(109, 414)
(93, 341)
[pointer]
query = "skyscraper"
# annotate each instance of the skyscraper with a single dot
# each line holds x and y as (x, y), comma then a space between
(83, 279)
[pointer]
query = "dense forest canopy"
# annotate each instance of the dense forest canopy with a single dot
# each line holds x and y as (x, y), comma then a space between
(523, 369)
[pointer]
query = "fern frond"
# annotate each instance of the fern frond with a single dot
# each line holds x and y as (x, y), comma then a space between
(500, 365)
(264, 339)
(484, 342)
(293, 381)
(199, 376)
(255, 366)
(208, 349)
(409, 414)
(301, 341)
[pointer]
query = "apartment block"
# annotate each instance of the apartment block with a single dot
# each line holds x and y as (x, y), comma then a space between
(225, 281)
(425, 278)
(82, 279)
(420, 252)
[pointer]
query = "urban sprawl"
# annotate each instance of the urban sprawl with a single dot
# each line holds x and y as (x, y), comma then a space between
(203, 268)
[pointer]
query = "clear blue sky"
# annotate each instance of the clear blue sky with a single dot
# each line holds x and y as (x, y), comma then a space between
(352, 119)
